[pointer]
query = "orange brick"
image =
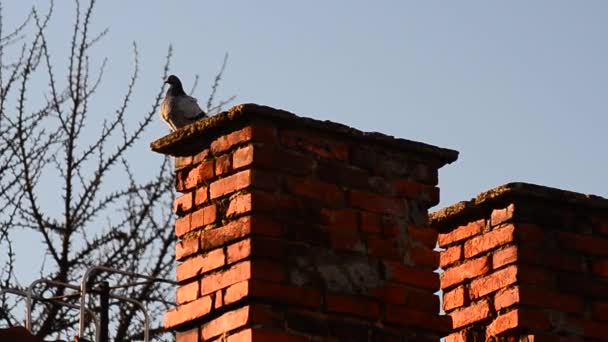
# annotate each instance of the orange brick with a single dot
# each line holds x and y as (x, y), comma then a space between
(488, 241)
(183, 204)
(460, 336)
(450, 256)
(225, 278)
(187, 336)
(461, 233)
(506, 298)
(187, 293)
(223, 164)
(259, 335)
(182, 163)
(204, 216)
(244, 226)
(468, 270)
(256, 132)
(188, 312)
(230, 184)
(238, 251)
(493, 282)
(320, 146)
(196, 176)
(504, 257)
(186, 247)
(455, 298)
(502, 215)
(329, 194)
(225, 323)
(201, 195)
(200, 264)
(353, 305)
(518, 319)
(471, 314)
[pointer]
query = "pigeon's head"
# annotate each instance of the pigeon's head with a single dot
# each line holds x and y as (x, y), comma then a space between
(173, 80)
(175, 86)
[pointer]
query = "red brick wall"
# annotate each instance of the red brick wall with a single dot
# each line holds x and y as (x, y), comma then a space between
(291, 229)
(526, 263)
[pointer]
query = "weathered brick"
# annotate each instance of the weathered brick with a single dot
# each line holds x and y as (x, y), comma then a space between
(424, 257)
(182, 163)
(344, 241)
(499, 216)
(471, 314)
(203, 216)
(450, 256)
(411, 317)
(370, 223)
(398, 272)
(294, 295)
(186, 247)
(201, 195)
(488, 241)
(530, 234)
(329, 194)
(383, 248)
(549, 299)
(261, 335)
(468, 270)
(310, 142)
(223, 164)
(188, 312)
(255, 133)
(200, 264)
(353, 305)
(237, 229)
(518, 318)
(226, 322)
(504, 257)
(183, 204)
(554, 259)
(377, 203)
(506, 298)
(600, 311)
(200, 156)
(196, 176)
(461, 233)
(455, 298)
(238, 251)
(273, 158)
(417, 191)
(425, 235)
(588, 244)
(256, 269)
(600, 268)
(346, 219)
(242, 180)
(493, 282)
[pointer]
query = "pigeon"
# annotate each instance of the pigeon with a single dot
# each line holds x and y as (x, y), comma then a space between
(178, 109)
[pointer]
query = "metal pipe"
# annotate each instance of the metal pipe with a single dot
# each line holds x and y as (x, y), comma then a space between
(56, 302)
(143, 309)
(85, 278)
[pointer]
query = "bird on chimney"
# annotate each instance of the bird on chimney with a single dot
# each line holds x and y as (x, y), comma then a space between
(178, 109)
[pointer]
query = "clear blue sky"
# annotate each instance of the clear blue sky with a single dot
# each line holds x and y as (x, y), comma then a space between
(520, 88)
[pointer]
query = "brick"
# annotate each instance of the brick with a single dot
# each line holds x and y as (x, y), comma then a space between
(377, 203)
(182, 163)
(518, 319)
(201, 195)
(507, 298)
(223, 164)
(424, 257)
(225, 278)
(504, 257)
(345, 241)
(353, 305)
(186, 247)
(530, 234)
(238, 251)
(384, 248)
(218, 299)
(493, 282)
(187, 293)
(230, 184)
(346, 219)
(414, 276)
(191, 335)
(392, 294)
(260, 335)
(474, 313)
(320, 146)
(370, 223)
(450, 256)
(188, 312)
(593, 331)
(460, 336)
(226, 322)
(537, 276)
(200, 264)
(468, 270)
(425, 235)
(600, 311)
(234, 230)
(503, 215)
(183, 204)
(488, 241)
(273, 158)
(239, 205)
(200, 156)
(455, 298)
(409, 317)
(203, 217)
(328, 194)
(587, 244)
(196, 176)
(417, 191)
(554, 259)
(461, 233)
(256, 133)
(600, 268)
(549, 299)
(293, 295)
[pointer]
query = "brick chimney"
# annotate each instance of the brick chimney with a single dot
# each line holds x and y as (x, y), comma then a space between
(292, 229)
(524, 262)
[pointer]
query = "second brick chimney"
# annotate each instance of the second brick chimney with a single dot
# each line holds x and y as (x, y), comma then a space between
(292, 229)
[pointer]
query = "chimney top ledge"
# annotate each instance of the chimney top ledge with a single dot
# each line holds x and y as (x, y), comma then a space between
(177, 143)
(465, 211)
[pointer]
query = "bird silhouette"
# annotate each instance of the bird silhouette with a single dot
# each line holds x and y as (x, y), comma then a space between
(178, 109)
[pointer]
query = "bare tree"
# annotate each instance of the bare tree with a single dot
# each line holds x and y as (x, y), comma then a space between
(108, 216)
